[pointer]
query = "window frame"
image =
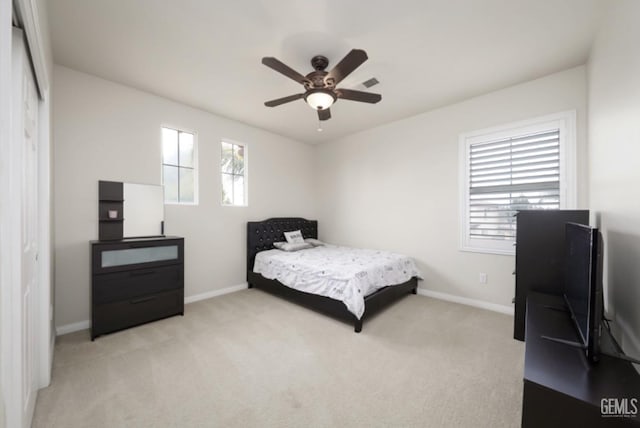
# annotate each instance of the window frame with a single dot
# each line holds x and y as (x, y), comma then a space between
(565, 122)
(195, 164)
(245, 174)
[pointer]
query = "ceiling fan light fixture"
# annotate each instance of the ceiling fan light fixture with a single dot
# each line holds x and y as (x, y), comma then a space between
(320, 99)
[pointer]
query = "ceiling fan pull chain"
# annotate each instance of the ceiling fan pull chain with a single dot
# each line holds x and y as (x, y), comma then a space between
(319, 126)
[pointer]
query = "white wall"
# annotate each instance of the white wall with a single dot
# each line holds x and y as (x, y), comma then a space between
(106, 131)
(396, 186)
(614, 152)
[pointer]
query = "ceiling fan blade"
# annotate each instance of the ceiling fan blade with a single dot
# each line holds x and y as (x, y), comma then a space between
(364, 97)
(324, 114)
(277, 102)
(349, 63)
(280, 67)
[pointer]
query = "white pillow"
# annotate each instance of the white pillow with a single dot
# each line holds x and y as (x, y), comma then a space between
(294, 237)
(314, 242)
(279, 244)
(294, 247)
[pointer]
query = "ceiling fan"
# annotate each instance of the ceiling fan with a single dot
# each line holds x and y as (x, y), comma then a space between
(320, 85)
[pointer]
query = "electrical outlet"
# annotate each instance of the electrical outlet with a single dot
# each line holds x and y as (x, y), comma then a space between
(484, 278)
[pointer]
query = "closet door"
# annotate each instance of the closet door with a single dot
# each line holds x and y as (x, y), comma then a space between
(25, 107)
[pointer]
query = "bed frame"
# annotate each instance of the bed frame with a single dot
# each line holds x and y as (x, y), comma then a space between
(262, 234)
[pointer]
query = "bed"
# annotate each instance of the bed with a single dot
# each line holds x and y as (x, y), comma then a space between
(260, 238)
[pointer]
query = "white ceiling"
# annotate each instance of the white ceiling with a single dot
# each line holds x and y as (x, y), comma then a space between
(426, 53)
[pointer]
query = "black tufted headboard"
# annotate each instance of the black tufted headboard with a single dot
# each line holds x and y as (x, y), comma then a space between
(262, 234)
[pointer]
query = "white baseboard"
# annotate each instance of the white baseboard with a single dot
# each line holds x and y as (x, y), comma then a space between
(84, 325)
(214, 293)
(71, 328)
(466, 301)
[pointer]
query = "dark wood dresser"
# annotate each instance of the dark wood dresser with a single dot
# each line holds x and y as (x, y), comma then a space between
(561, 388)
(134, 281)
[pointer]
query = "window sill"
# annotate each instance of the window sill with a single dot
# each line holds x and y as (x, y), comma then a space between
(497, 251)
(188, 204)
(235, 206)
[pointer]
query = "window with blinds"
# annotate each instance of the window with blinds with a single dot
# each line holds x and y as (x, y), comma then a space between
(507, 171)
(509, 175)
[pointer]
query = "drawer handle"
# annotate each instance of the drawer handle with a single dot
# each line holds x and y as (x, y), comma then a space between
(142, 273)
(143, 245)
(144, 299)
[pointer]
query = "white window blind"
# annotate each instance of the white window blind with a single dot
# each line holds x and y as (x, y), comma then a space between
(509, 175)
(527, 165)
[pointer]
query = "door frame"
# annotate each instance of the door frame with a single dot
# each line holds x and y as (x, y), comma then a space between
(9, 266)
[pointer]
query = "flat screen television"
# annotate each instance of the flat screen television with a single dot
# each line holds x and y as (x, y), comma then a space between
(583, 284)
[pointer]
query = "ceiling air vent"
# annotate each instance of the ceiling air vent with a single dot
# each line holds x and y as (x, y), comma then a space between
(371, 82)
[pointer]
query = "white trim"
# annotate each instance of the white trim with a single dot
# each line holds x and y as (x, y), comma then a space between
(7, 265)
(214, 293)
(187, 204)
(84, 325)
(566, 122)
(27, 14)
(44, 325)
(72, 328)
(508, 310)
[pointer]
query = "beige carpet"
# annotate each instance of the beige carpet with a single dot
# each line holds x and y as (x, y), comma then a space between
(249, 359)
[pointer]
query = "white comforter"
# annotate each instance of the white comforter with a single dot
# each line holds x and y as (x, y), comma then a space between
(341, 273)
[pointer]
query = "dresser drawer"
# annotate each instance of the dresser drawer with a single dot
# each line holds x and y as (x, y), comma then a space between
(117, 286)
(126, 255)
(118, 315)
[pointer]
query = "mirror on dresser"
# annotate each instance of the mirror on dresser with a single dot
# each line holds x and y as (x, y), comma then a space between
(129, 210)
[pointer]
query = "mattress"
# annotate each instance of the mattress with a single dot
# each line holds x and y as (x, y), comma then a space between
(340, 273)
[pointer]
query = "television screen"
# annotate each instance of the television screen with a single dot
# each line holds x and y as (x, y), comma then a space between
(583, 287)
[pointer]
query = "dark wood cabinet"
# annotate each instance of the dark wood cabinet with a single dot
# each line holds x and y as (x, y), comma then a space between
(561, 387)
(540, 254)
(135, 281)
(110, 198)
